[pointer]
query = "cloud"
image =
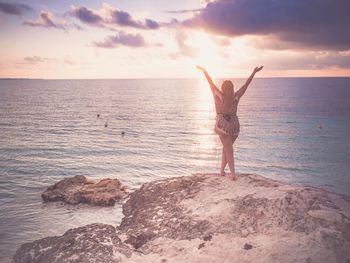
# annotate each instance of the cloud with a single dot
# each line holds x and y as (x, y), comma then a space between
(151, 24)
(182, 11)
(45, 20)
(69, 61)
(221, 41)
(205, 2)
(14, 8)
(44, 61)
(328, 59)
(109, 16)
(86, 15)
(315, 24)
(184, 50)
(36, 60)
(308, 60)
(122, 39)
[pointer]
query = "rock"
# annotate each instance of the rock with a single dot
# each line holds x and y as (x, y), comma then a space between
(79, 190)
(201, 245)
(273, 218)
(247, 246)
(207, 237)
(156, 207)
(170, 219)
(91, 243)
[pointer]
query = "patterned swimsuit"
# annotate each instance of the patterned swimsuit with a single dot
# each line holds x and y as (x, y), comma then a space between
(227, 122)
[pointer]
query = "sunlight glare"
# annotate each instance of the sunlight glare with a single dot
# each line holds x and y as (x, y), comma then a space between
(208, 53)
(206, 146)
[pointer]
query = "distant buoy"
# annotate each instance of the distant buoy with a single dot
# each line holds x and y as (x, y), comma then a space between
(98, 115)
(123, 133)
(320, 126)
(106, 124)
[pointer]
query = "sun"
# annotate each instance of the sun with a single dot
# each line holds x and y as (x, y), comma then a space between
(208, 54)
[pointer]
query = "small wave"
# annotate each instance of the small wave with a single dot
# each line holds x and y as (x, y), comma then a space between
(290, 168)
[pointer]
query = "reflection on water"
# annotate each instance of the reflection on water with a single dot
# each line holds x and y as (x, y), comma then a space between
(50, 130)
(204, 114)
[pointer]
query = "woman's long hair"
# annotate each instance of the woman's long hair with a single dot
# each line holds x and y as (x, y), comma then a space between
(227, 90)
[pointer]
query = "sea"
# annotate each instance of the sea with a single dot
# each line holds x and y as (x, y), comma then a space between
(295, 130)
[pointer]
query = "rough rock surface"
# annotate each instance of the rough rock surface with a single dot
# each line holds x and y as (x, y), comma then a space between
(79, 189)
(91, 243)
(208, 218)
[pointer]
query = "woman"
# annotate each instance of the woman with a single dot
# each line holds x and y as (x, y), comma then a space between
(227, 123)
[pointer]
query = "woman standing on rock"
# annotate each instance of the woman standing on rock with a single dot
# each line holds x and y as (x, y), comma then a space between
(227, 123)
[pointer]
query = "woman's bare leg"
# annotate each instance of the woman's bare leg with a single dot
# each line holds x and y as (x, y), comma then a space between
(233, 139)
(227, 143)
(233, 162)
(223, 162)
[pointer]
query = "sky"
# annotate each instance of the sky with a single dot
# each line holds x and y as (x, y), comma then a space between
(167, 39)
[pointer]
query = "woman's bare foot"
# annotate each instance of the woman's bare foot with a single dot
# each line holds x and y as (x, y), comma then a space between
(222, 173)
(232, 177)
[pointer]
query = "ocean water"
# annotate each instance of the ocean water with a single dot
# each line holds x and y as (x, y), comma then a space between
(292, 129)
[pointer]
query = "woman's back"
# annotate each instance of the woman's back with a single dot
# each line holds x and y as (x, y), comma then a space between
(228, 105)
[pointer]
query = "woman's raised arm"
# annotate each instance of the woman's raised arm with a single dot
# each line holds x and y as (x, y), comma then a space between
(242, 90)
(213, 87)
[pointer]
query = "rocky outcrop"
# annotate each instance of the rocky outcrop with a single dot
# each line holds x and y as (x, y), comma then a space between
(91, 243)
(79, 189)
(208, 218)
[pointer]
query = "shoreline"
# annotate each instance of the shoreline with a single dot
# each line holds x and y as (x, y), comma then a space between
(205, 217)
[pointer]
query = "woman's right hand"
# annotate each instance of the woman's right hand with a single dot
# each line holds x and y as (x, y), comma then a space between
(257, 69)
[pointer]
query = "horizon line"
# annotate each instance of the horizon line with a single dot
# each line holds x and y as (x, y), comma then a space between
(161, 78)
